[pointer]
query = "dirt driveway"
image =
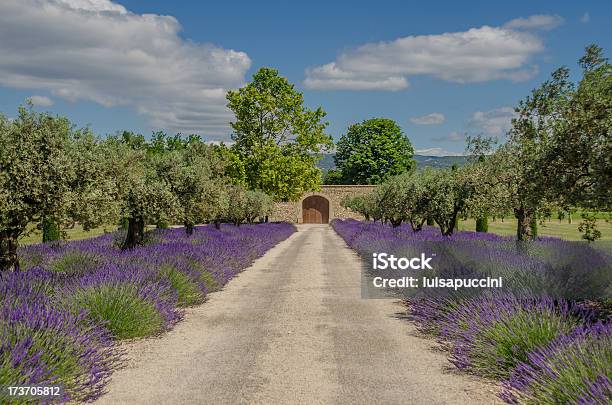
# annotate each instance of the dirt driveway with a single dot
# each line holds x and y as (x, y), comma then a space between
(293, 329)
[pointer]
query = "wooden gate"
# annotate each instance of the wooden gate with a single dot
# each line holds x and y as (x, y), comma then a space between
(315, 210)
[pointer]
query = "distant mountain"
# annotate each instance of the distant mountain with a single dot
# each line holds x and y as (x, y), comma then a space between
(438, 161)
(327, 161)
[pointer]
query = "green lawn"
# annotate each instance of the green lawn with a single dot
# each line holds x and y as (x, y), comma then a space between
(73, 234)
(555, 228)
(561, 229)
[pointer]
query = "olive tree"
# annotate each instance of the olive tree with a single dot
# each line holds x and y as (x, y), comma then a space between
(144, 197)
(35, 176)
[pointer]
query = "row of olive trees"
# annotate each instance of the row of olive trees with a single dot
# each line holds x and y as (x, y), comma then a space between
(55, 175)
(558, 156)
(427, 196)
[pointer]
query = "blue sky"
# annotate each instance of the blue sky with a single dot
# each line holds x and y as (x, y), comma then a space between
(440, 69)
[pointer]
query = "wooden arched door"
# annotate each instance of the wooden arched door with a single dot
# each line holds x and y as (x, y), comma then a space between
(315, 210)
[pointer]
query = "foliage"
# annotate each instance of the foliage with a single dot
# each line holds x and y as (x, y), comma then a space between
(276, 136)
(120, 308)
(438, 194)
(491, 336)
(42, 345)
(35, 176)
(588, 228)
(482, 224)
(575, 368)
(372, 151)
(566, 129)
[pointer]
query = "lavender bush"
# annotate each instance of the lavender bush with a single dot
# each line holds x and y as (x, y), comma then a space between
(575, 368)
(60, 316)
(491, 335)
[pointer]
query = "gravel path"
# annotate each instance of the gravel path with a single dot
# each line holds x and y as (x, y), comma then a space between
(294, 329)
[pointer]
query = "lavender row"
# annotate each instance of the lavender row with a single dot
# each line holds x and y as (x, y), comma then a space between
(543, 349)
(62, 314)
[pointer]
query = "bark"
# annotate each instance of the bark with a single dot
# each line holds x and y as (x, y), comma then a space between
(135, 233)
(448, 227)
(8, 251)
(395, 222)
(189, 228)
(417, 226)
(217, 224)
(523, 224)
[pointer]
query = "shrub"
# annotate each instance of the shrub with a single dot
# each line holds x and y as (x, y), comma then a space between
(127, 301)
(492, 335)
(75, 262)
(575, 368)
(41, 345)
(120, 309)
(482, 224)
(188, 291)
(209, 280)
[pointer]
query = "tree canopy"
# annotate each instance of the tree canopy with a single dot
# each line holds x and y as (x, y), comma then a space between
(373, 151)
(276, 136)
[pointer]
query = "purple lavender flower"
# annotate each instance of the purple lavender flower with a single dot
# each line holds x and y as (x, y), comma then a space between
(59, 315)
(574, 368)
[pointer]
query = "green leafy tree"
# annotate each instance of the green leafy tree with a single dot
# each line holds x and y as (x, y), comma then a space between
(579, 145)
(588, 228)
(567, 130)
(143, 196)
(373, 151)
(35, 176)
(276, 136)
(258, 204)
(216, 202)
(236, 212)
(190, 169)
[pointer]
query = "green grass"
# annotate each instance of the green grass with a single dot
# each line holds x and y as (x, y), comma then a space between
(75, 233)
(120, 309)
(188, 291)
(562, 229)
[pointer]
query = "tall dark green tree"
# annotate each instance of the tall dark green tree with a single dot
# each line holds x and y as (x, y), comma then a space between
(373, 151)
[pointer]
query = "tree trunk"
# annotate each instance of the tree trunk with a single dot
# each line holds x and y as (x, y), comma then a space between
(523, 224)
(135, 233)
(8, 251)
(533, 227)
(189, 228)
(217, 224)
(395, 222)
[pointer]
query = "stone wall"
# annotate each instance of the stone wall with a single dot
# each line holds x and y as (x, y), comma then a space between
(292, 211)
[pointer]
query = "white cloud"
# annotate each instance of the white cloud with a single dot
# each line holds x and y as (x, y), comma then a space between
(475, 55)
(429, 119)
(42, 101)
(452, 137)
(97, 50)
(542, 22)
(585, 18)
(494, 122)
(437, 152)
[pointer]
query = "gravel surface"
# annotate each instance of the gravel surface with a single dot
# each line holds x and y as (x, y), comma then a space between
(293, 329)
